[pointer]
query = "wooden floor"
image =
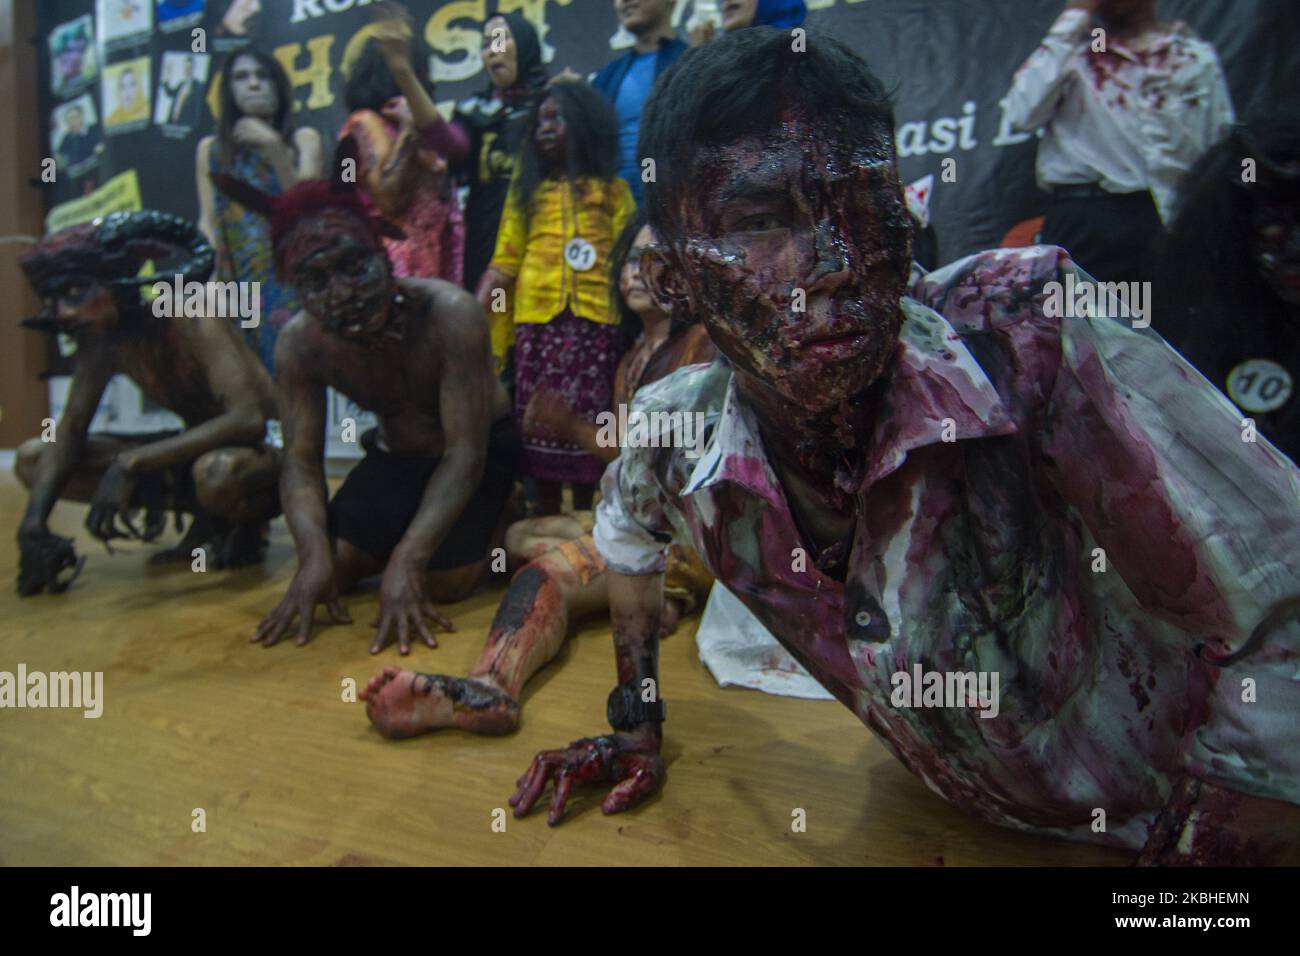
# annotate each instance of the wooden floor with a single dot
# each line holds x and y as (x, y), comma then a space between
(287, 773)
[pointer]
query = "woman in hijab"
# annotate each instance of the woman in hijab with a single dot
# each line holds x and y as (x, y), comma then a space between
(739, 14)
(493, 121)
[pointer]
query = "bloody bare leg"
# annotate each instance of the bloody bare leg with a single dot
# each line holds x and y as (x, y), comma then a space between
(529, 628)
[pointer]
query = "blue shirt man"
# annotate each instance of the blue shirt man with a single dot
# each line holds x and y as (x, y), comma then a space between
(626, 81)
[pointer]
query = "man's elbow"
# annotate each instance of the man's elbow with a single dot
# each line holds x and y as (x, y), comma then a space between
(247, 426)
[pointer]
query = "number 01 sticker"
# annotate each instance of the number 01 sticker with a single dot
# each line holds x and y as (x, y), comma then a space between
(579, 254)
(1259, 385)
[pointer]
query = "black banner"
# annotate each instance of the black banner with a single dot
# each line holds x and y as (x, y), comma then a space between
(336, 907)
(950, 62)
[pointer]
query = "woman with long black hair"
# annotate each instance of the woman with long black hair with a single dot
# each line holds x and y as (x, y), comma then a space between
(257, 143)
(1227, 280)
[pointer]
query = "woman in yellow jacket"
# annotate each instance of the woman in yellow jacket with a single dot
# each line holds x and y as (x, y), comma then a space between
(546, 291)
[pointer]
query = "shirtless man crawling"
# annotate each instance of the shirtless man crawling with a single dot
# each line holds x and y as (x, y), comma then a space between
(216, 469)
(426, 503)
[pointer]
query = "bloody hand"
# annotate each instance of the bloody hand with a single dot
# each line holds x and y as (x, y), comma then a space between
(631, 761)
(42, 557)
(312, 585)
(403, 606)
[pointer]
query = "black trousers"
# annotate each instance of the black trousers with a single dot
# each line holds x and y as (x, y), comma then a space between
(1108, 235)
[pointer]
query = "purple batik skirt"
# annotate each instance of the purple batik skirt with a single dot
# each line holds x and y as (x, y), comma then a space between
(576, 358)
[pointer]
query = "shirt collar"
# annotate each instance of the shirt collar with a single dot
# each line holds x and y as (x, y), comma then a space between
(937, 392)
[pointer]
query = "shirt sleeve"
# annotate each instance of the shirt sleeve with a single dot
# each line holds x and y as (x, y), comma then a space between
(1195, 113)
(632, 532)
(624, 206)
(511, 240)
(1039, 83)
(1200, 517)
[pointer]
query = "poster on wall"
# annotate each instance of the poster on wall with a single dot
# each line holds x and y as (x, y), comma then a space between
(126, 96)
(124, 23)
(75, 138)
(173, 15)
(73, 64)
(946, 117)
(182, 78)
(236, 23)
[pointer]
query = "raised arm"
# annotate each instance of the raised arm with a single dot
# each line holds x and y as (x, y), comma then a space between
(388, 164)
(447, 139)
(1036, 90)
(465, 398)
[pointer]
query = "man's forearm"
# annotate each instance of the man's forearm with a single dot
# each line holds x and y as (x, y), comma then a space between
(303, 497)
(280, 156)
(233, 428)
(52, 474)
(1031, 101)
(635, 603)
(449, 490)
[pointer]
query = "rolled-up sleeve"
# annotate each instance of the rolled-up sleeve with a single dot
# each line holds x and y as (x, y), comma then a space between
(632, 533)
(1036, 89)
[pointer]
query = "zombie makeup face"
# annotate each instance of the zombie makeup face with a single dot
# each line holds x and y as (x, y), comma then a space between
(738, 14)
(341, 274)
(252, 88)
(551, 132)
(630, 284)
(794, 248)
(499, 53)
(80, 307)
(1275, 226)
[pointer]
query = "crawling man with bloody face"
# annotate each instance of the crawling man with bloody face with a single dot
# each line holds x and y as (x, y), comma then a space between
(911, 480)
(216, 469)
(426, 504)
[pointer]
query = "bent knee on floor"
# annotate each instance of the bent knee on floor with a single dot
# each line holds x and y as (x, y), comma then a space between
(26, 459)
(218, 478)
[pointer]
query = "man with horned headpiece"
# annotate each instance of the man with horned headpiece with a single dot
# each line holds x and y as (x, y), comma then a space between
(216, 469)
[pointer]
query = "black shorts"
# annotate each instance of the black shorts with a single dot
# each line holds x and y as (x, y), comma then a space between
(382, 493)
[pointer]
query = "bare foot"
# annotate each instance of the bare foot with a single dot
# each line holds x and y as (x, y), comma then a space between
(403, 704)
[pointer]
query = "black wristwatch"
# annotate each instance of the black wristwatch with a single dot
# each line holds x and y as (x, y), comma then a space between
(625, 708)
